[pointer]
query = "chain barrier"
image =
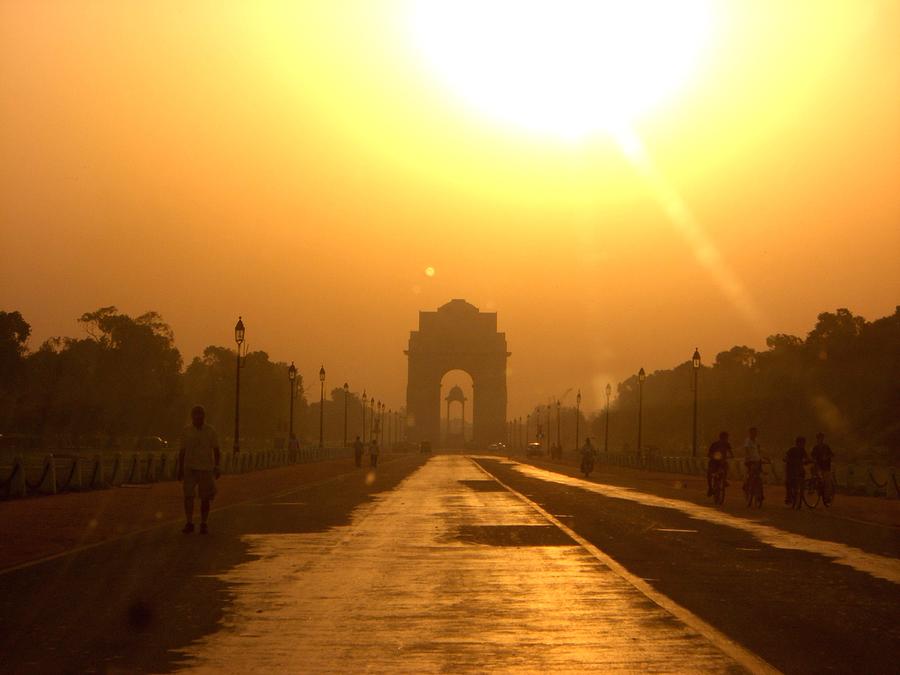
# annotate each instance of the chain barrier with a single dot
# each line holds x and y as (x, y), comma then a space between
(880, 486)
(6, 484)
(34, 487)
(65, 486)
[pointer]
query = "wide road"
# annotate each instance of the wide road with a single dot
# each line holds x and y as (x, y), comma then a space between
(458, 564)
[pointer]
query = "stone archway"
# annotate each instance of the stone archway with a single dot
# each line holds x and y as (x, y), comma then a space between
(457, 337)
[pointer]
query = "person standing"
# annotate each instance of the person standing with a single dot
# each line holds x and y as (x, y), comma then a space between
(198, 467)
(821, 456)
(794, 473)
(373, 453)
(357, 451)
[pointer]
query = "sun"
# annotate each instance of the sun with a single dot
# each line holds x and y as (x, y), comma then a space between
(567, 68)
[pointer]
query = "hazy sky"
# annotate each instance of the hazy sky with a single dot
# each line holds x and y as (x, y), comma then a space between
(300, 164)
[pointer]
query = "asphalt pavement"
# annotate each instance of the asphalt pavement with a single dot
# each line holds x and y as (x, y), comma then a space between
(458, 564)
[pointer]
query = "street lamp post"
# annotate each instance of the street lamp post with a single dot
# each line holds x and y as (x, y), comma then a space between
(239, 339)
(695, 362)
(390, 426)
(577, 418)
(346, 395)
(322, 407)
(292, 375)
(606, 440)
(549, 433)
(365, 399)
(527, 424)
(641, 377)
(372, 435)
(558, 437)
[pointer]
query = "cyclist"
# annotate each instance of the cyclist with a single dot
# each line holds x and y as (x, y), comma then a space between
(794, 460)
(752, 458)
(821, 456)
(719, 453)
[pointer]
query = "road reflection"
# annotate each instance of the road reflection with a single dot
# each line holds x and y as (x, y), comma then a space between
(442, 574)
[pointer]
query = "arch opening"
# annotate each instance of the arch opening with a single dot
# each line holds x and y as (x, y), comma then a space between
(457, 414)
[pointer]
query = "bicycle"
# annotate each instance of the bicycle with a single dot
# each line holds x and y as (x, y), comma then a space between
(816, 491)
(718, 486)
(754, 488)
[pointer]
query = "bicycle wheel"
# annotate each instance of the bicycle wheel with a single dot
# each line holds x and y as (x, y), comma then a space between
(811, 493)
(719, 489)
(797, 503)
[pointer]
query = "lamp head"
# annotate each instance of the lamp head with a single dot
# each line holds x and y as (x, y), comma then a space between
(642, 375)
(696, 358)
(608, 390)
(322, 374)
(239, 331)
(292, 372)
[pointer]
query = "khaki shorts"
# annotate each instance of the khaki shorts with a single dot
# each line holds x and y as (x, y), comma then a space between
(203, 481)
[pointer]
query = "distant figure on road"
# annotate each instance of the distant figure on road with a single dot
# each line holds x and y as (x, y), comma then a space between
(293, 443)
(794, 473)
(821, 456)
(198, 466)
(719, 453)
(358, 451)
(373, 452)
(752, 458)
(588, 456)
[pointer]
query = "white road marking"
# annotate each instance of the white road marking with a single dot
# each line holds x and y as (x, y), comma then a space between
(746, 658)
(879, 566)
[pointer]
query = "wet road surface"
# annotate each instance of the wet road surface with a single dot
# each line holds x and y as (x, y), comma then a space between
(447, 572)
(804, 604)
(456, 564)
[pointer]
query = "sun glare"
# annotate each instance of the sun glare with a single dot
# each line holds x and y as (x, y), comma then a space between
(567, 68)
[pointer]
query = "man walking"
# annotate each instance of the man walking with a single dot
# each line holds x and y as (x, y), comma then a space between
(198, 466)
(373, 453)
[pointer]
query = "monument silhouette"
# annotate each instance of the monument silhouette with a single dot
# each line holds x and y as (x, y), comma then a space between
(457, 337)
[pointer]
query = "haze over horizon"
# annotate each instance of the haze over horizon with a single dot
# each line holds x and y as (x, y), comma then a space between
(303, 168)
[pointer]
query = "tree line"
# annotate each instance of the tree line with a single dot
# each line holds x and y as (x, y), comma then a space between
(843, 379)
(125, 379)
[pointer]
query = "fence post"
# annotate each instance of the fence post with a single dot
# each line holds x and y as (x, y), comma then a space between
(51, 474)
(18, 487)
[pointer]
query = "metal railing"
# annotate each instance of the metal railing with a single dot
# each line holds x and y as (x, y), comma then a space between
(35, 474)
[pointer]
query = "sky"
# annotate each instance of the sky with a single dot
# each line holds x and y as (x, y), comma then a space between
(303, 164)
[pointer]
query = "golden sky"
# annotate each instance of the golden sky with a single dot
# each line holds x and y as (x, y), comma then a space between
(302, 164)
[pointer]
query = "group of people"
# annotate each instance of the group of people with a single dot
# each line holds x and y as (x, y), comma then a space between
(359, 448)
(795, 459)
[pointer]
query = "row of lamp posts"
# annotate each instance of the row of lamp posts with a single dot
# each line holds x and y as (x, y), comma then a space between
(642, 377)
(695, 366)
(377, 412)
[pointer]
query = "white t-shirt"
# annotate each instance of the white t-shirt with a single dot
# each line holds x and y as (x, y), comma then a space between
(198, 447)
(751, 451)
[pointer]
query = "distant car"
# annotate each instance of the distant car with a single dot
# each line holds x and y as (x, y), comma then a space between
(425, 446)
(151, 444)
(534, 450)
(497, 447)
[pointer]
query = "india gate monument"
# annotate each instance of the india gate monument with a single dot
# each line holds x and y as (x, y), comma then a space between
(457, 337)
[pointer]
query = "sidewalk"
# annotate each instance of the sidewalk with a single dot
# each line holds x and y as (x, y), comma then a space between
(870, 510)
(38, 527)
